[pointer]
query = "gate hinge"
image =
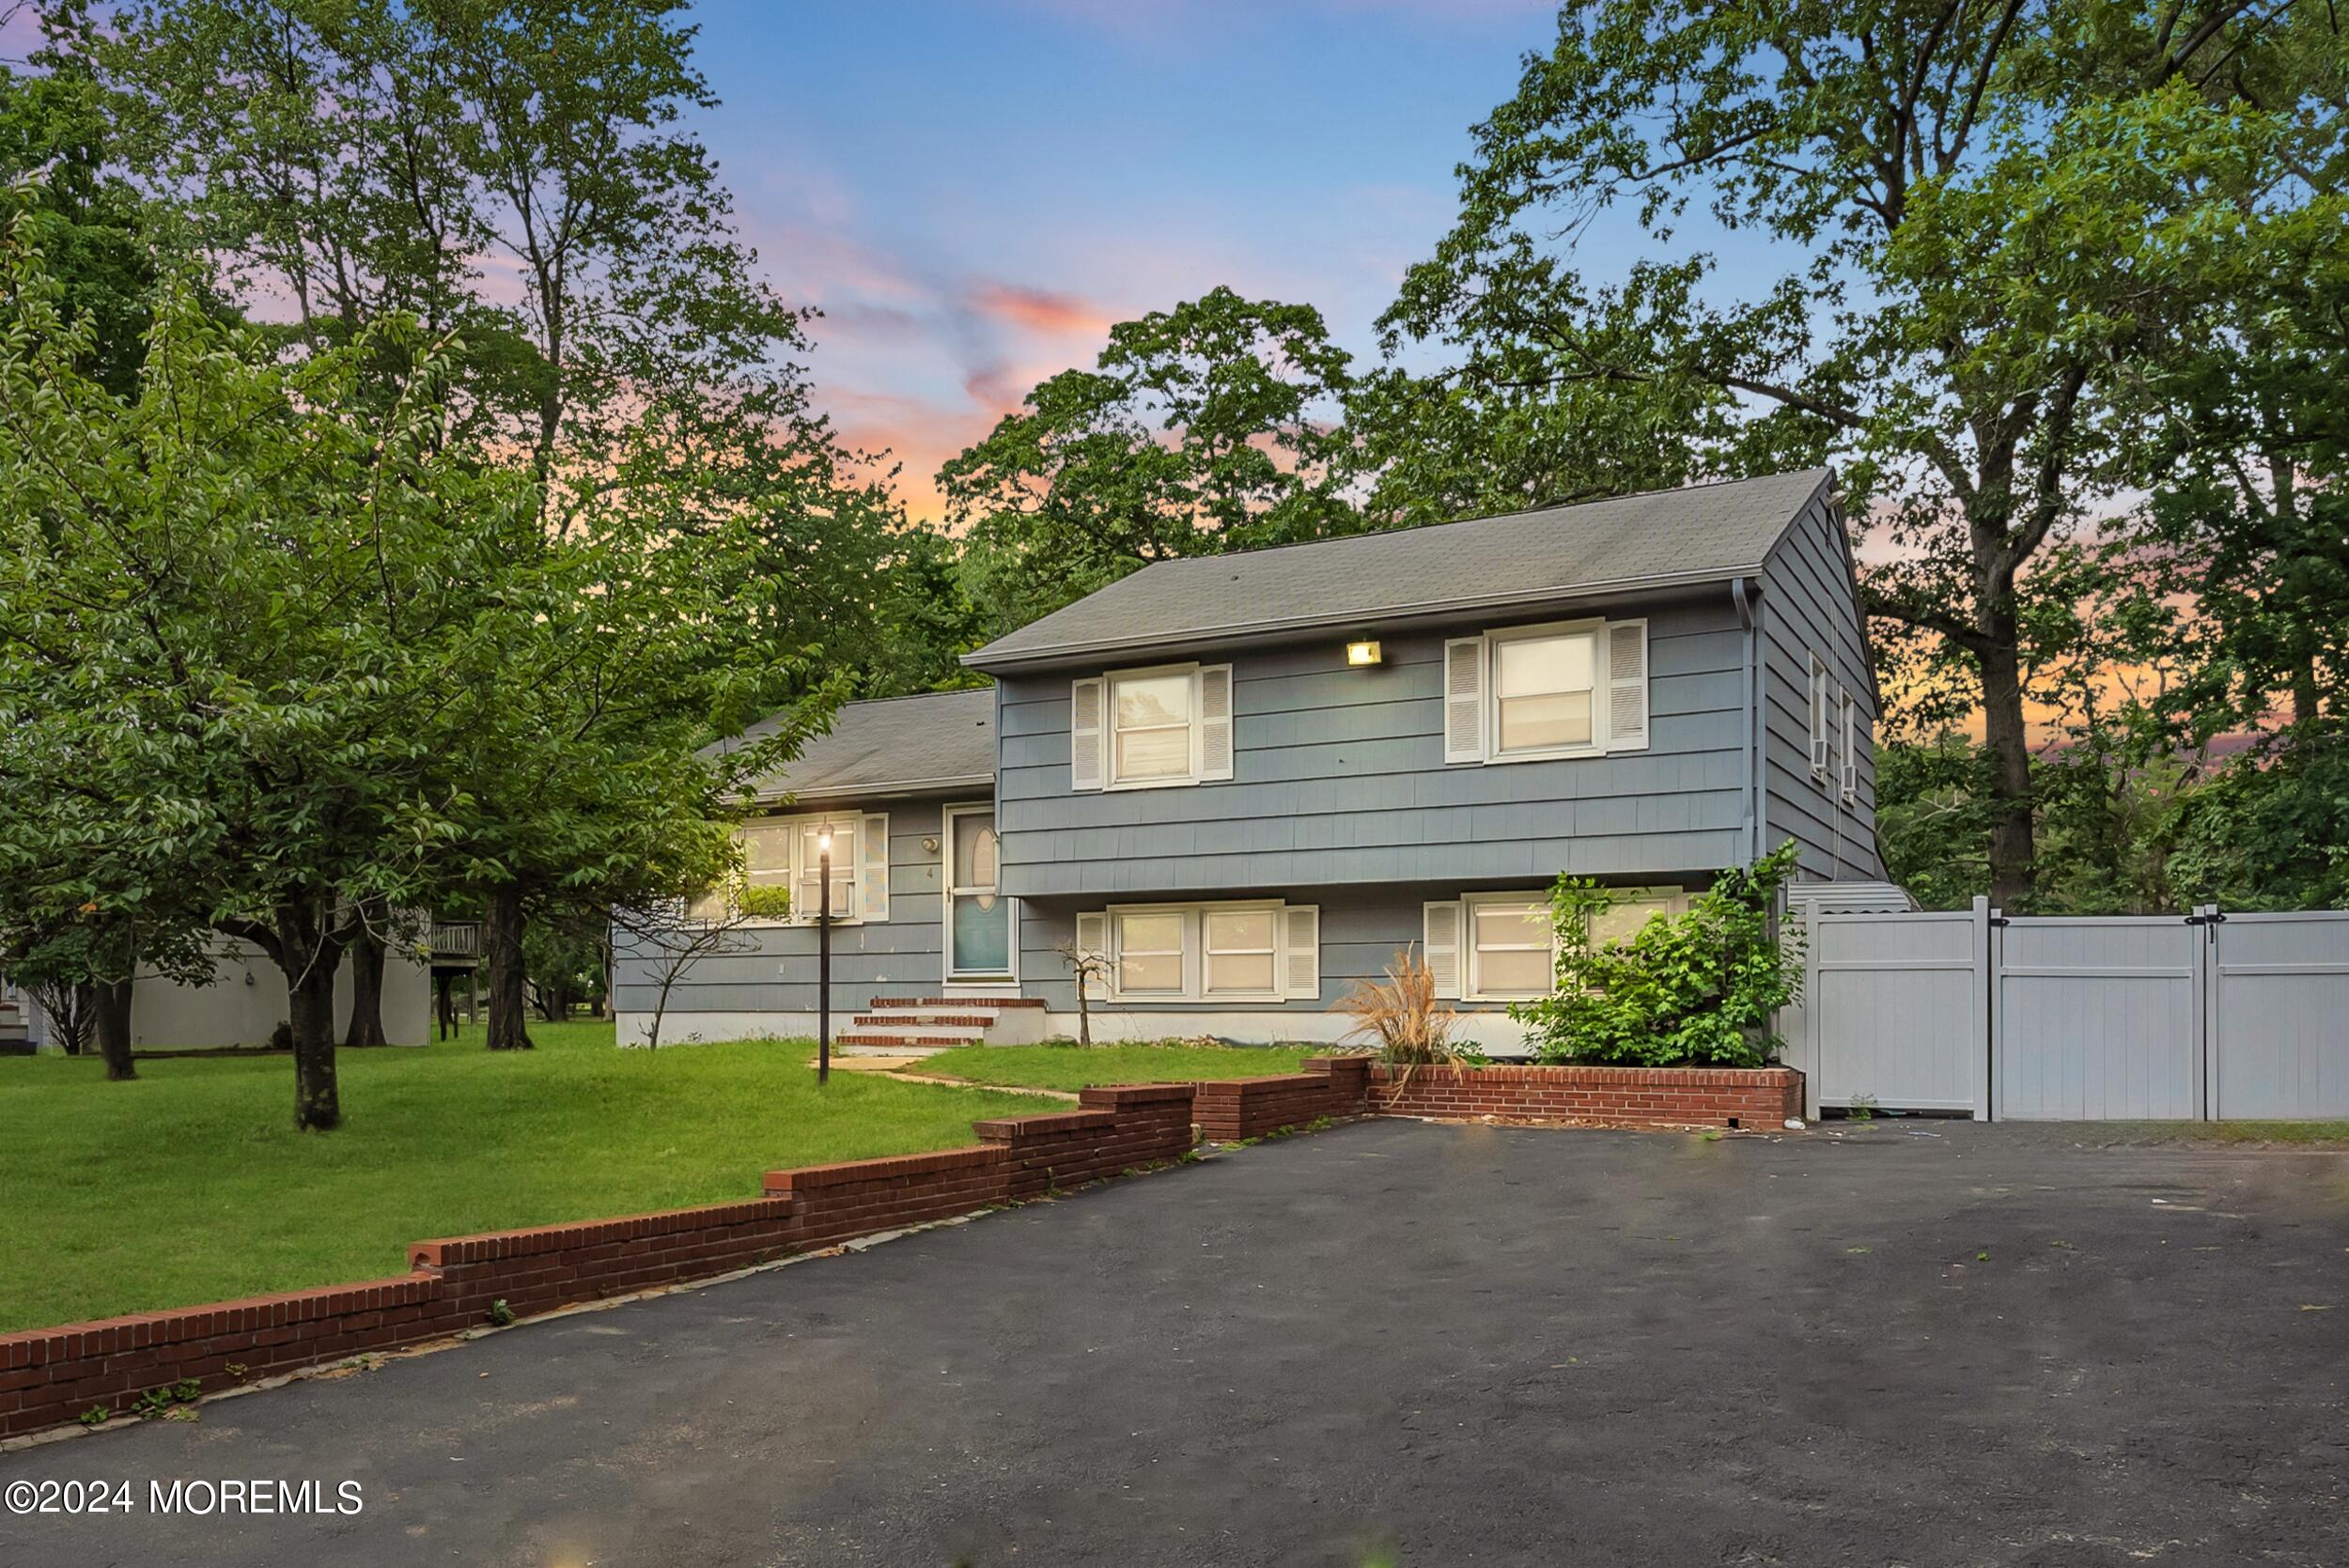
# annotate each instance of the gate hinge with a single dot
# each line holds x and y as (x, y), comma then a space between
(2000, 920)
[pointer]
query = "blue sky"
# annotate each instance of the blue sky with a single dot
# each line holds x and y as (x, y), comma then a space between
(973, 193)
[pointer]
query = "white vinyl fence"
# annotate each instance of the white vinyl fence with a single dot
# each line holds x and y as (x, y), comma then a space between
(2063, 1018)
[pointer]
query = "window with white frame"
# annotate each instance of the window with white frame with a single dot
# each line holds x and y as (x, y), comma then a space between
(1223, 951)
(1503, 946)
(1242, 951)
(1631, 908)
(1151, 729)
(1822, 743)
(787, 853)
(1848, 778)
(1511, 948)
(809, 867)
(1543, 691)
(1564, 689)
(1150, 952)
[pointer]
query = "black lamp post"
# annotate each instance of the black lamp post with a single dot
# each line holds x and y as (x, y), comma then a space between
(823, 956)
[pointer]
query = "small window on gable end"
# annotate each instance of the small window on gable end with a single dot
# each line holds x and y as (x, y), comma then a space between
(1850, 779)
(1822, 745)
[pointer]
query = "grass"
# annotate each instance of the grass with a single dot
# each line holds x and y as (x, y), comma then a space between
(1068, 1066)
(2264, 1135)
(190, 1184)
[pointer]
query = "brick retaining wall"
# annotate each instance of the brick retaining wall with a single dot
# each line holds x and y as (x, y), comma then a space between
(1327, 1088)
(1613, 1096)
(49, 1377)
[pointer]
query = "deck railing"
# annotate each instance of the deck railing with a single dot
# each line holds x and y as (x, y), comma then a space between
(456, 940)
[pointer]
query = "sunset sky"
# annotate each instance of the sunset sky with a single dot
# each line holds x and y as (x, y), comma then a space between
(973, 193)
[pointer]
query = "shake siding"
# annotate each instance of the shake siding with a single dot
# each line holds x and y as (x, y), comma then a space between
(1339, 779)
(1808, 606)
(776, 971)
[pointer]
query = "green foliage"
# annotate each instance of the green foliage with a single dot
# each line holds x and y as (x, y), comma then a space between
(1070, 1066)
(1694, 988)
(2271, 831)
(500, 1313)
(2000, 228)
(233, 612)
(765, 901)
(160, 1401)
(58, 128)
(1202, 428)
(2130, 829)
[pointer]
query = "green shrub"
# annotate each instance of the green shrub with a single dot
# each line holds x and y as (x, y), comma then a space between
(1695, 988)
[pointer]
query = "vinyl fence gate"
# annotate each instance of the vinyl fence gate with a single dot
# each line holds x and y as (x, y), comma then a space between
(2041, 1018)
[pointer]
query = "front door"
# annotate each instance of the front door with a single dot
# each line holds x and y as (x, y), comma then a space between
(979, 921)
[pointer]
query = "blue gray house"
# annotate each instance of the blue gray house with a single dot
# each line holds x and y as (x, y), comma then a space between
(1249, 779)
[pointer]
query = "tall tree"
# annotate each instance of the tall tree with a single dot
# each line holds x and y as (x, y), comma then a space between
(1206, 428)
(59, 137)
(1958, 178)
(518, 170)
(237, 608)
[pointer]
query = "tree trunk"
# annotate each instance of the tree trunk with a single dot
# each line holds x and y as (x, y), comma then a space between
(502, 937)
(318, 1102)
(366, 991)
(2012, 849)
(113, 999)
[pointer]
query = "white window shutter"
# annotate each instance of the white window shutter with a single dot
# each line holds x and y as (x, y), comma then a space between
(1464, 700)
(1085, 700)
(1441, 923)
(872, 872)
(1093, 936)
(1626, 685)
(1214, 722)
(1300, 970)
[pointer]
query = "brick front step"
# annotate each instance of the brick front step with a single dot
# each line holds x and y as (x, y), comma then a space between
(868, 1038)
(924, 1020)
(966, 1003)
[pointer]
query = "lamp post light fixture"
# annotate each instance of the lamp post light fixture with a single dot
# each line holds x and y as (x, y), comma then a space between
(823, 956)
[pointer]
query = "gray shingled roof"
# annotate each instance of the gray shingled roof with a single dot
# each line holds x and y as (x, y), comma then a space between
(1705, 532)
(940, 741)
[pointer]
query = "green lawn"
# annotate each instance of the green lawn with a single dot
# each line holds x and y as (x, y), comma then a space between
(1066, 1067)
(191, 1184)
(2306, 1134)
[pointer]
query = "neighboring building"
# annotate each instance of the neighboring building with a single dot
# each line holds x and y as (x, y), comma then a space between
(246, 1002)
(1250, 778)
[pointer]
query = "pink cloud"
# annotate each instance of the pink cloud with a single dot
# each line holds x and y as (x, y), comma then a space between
(1041, 309)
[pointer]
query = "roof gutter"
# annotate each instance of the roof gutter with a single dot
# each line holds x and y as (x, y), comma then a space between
(1033, 659)
(898, 789)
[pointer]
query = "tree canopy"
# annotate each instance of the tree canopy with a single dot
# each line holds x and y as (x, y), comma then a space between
(1205, 427)
(1989, 206)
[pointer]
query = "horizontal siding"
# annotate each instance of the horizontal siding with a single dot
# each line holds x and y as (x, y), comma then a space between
(1808, 606)
(1338, 778)
(776, 969)
(1361, 930)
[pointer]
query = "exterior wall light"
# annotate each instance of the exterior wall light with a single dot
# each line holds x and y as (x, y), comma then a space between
(1359, 654)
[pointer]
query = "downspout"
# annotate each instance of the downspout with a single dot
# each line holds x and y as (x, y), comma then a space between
(1750, 619)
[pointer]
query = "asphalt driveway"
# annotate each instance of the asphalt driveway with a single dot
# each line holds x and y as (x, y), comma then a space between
(1389, 1343)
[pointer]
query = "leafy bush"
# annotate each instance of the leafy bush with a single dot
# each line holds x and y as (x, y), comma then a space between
(1401, 1018)
(1694, 988)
